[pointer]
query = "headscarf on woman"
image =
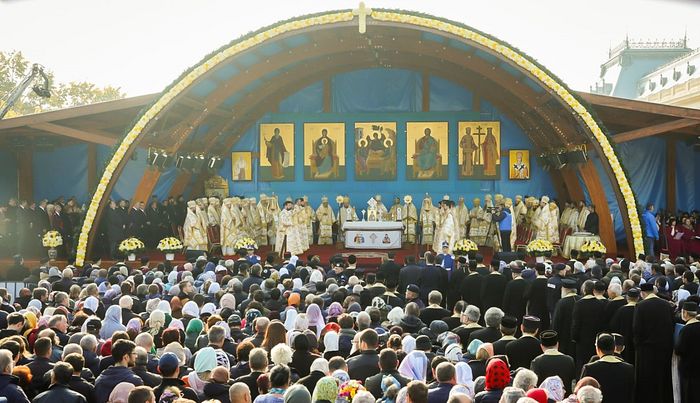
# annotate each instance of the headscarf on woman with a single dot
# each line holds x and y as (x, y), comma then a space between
(92, 304)
(190, 309)
(297, 394)
(463, 374)
(330, 342)
(290, 318)
(335, 310)
(134, 325)
(120, 393)
(204, 362)
(227, 301)
(315, 317)
(497, 375)
(194, 329)
(394, 316)
(554, 387)
(326, 389)
(112, 322)
(408, 344)
(415, 366)
(164, 306)
(152, 305)
(250, 317)
(341, 376)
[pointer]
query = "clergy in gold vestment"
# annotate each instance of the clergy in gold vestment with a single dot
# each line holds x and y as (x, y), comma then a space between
(428, 214)
(311, 215)
(565, 215)
(226, 230)
(195, 239)
(345, 213)
(541, 219)
(410, 220)
(213, 213)
(382, 212)
(396, 212)
(445, 229)
(461, 215)
(519, 210)
(201, 211)
(476, 227)
(553, 230)
(582, 216)
(288, 238)
(326, 218)
(301, 220)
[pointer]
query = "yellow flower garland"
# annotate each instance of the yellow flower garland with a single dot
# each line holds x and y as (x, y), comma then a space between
(345, 16)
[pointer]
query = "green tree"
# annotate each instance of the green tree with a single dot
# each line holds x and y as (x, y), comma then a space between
(14, 67)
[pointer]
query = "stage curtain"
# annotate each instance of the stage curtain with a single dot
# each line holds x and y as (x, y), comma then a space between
(445, 96)
(377, 90)
(645, 162)
(61, 172)
(310, 100)
(687, 171)
(8, 179)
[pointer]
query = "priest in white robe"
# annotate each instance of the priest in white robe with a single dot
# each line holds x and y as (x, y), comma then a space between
(326, 218)
(541, 219)
(346, 212)
(195, 239)
(288, 237)
(410, 220)
(428, 215)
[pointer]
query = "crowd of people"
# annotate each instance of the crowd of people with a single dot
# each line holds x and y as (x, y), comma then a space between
(247, 330)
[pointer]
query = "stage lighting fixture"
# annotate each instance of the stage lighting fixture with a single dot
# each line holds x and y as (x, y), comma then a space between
(179, 161)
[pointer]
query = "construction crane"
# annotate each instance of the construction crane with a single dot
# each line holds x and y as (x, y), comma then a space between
(42, 88)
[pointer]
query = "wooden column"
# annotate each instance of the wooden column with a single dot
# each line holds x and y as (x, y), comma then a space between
(91, 167)
(426, 92)
(671, 175)
(597, 192)
(327, 97)
(145, 187)
(25, 174)
(180, 184)
(572, 184)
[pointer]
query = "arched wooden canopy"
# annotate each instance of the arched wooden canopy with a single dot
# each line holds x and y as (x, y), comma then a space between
(210, 106)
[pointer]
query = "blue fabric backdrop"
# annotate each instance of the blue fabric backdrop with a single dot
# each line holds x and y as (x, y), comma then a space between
(8, 175)
(61, 172)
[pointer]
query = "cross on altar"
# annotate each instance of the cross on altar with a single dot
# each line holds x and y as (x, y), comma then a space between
(362, 12)
(478, 133)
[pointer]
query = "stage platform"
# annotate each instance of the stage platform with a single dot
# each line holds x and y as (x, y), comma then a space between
(368, 260)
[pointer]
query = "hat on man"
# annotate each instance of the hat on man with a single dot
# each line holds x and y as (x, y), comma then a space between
(234, 320)
(646, 287)
(531, 321)
(633, 292)
(559, 267)
(413, 288)
(423, 343)
(516, 269)
(549, 338)
(690, 306)
(569, 283)
(509, 322)
(168, 363)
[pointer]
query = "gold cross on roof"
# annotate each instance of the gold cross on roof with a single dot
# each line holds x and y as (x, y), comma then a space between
(362, 12)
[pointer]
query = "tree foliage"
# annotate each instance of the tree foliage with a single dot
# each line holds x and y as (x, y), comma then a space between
(14, 67)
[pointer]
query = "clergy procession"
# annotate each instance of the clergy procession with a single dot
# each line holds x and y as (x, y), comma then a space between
(296, 226)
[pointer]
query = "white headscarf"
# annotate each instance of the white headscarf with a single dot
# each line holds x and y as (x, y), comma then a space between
(164, 306)
(313, 313)
(297, 284)
(316, 276)
(408, 344)
(91, 303)
(208, 308)
(191, 309)
(172, 277)
(290, 319)
(330, 341)
(227, 301)
(414, 366)
(394, 316)
(464, 375)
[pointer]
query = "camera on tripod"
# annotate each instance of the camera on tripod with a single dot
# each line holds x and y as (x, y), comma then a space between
(492, 210)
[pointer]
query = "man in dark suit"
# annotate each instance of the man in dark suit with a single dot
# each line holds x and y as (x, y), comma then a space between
(115, 227)
(552, 362)
(536, 296)
(514, 301)
(471, 286)
(446, 379)
(388, 363)
(616, 377)
(493, 287)
(137, 221)
(689, 352)
(470, 324)
(509, 324)
(390, 269)
(492, 331)
(615, 302)
(586, 322)
(554, 285)
(433, 311)
(257, 361)
(40, 366)
(409, 274)
(366, 363)
(433, 277)
(521, 352)
(653, 343)
(563, 311)
(622, 323)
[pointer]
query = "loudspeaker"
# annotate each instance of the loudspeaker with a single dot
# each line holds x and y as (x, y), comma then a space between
(576, 157)
(509, 256)
(191, 254)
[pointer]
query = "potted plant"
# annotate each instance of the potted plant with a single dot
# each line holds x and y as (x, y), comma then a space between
(131, 246)
(52, 240)
(169, 246)
(465, 247)
(539, 248)
(593, 247)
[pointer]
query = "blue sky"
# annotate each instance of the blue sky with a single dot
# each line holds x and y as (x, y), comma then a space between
(143, 45)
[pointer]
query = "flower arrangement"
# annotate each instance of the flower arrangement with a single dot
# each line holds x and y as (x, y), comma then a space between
(348, 389)
(169, 245)
(540, 247)
(464, 246)
(593, 247)
(131, 245)
(52, 239)
(245, 243)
